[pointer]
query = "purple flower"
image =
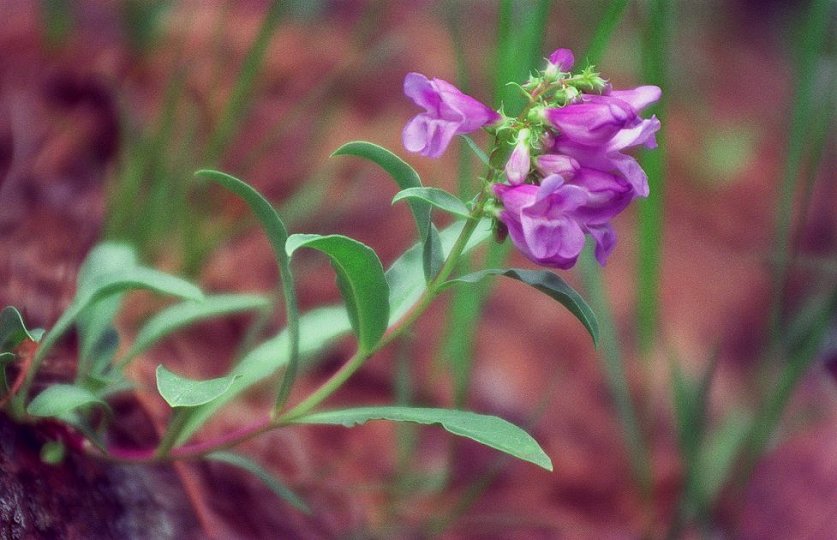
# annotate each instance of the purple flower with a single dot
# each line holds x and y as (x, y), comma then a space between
(448, 112)
(561, 60)
(542, 220)
(594, 120)
(615, 126)
(557, 164)
(610, 120)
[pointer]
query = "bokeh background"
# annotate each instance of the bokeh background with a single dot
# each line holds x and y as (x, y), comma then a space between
(107, 107)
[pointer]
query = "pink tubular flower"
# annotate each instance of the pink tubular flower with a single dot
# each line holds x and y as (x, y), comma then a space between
(616, 126)
(586, 178)
(557, 164)
(448, 112)
(561, 59)
(542, 220)
(610, 120)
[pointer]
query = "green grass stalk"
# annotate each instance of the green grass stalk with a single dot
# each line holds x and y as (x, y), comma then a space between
(813, 39)
(655, 46)
(239, 99)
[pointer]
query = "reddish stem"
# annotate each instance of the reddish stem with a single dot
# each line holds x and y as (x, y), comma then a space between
(194, 450)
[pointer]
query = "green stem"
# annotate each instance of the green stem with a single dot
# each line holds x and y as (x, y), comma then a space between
(359, 358)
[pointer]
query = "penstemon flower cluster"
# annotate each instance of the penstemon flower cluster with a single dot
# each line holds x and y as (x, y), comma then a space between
(557, 173)
(560, 171)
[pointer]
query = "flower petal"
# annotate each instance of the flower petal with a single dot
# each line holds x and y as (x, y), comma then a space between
(639, 97)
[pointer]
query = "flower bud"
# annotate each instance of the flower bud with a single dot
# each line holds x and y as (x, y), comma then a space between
(519, 163)
(562, 60)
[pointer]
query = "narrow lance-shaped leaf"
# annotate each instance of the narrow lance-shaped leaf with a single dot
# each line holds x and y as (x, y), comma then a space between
(439, 198)
(185, 314)
(433, 256)
(476, 149)
(60, 399)
(320, 327)
(361, 280)
(13, 331)
(95, 323)
(549, 284)
(406, 278)
(274, 484)
(131, 278)
(182, 392)
(404, 175)
(488, 430)
(318, 330)
(277, 234)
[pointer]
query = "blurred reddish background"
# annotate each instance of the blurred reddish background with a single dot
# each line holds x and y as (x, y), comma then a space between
(333, 73)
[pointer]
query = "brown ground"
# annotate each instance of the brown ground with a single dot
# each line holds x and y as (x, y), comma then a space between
(59, 124)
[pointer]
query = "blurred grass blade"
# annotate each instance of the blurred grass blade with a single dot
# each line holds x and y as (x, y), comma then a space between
(488, 430)
(273, 484)
(234, 111)
(717, 458)
(655, 49)
(521, 25)
(58, 21)
(604, 31)
(614, 370)
(799, 360)
(814, 36)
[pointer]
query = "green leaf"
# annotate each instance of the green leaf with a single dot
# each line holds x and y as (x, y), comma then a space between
(476, 149)
(277, 234)
(488, 430)
(96, 320)
(439, 198)
(13, 331)
(182, 392)
(360, 277)
(103, 352)
(318, 330)
(274, 484)
(406, 276)
(59, 399)
(404, 175)
(432, 256)
(549, 284)
(104, 259)
(188, 313)
(101, 287)
(320, 327)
